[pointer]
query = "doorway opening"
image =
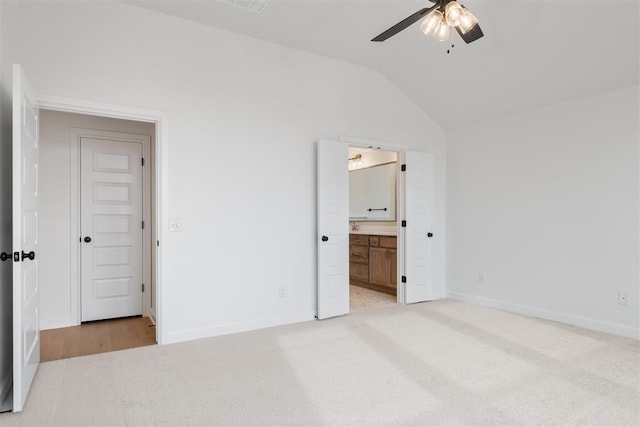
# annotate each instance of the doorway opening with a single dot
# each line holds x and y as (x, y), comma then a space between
(374, 200)
(98, 209)
(414, 266)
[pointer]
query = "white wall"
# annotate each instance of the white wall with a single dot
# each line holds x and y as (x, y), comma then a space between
(57, 305)
(5, 222)
(243, 118)
(545, 203)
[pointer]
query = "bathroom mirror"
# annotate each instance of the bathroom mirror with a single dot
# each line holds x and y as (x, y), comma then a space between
(372, 193)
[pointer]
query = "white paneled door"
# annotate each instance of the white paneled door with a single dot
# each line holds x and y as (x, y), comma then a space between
(111, 228)
(333, 229)
(26, 336)
(419, 256)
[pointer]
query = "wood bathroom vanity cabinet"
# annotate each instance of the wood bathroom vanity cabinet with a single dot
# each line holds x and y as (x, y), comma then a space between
(373, 262)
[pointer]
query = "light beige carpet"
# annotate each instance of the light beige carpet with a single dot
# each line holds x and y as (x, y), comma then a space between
(438, 363)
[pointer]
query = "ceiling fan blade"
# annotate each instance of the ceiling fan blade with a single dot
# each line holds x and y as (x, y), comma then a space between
(403, 24)
(472, 35)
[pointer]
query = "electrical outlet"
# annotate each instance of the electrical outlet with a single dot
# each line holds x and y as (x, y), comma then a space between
(482, 277)
(282, 292)
(623, 298)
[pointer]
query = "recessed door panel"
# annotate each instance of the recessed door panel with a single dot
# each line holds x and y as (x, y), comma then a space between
(112, 288)
(105, 162)
(112, 256)
(112, 224)
(112, 194)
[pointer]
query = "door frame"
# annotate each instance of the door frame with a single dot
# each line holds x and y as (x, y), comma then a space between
(400, 150)
(160, 179)
(76, 208)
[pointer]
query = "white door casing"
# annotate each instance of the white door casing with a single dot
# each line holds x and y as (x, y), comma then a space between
(333, 229)
(419, 251)
(26, 330)
(111, 228)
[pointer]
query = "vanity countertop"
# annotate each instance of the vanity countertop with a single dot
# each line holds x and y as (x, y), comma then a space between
(374, 233)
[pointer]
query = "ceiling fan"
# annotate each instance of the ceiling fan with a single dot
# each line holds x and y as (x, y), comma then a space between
(439, 22)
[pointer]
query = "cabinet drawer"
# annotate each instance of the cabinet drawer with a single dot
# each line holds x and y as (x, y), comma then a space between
(374, 241)
(388, 242)
(359, 272)
(359, 239)
(359, 254)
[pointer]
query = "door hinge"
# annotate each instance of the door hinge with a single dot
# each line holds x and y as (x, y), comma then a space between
(142, 161)
(404, 279)
(403, 168)
(143, 225)
(143, 287)
(158, 243)
(404, 223)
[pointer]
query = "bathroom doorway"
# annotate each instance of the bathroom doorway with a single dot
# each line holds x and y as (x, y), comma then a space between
(373, 227)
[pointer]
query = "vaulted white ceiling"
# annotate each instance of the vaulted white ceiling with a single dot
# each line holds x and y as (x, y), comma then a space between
(535, 52)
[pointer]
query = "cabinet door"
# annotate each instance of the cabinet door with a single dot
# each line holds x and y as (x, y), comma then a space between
(359, 254)
(383, 268)
(378, 266)
(359, 272)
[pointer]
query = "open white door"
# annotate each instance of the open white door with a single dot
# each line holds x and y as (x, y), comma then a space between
(26, 330)
(419, 229)
(333, 229)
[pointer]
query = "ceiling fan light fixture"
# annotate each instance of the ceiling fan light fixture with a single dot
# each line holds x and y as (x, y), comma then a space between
(438, 21)
(431, 23)
(467, 22)
(453, 12)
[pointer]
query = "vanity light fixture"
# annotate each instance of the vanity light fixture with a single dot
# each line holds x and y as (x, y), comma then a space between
(355, 161)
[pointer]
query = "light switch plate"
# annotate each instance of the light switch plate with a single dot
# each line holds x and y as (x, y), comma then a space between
(175, 225)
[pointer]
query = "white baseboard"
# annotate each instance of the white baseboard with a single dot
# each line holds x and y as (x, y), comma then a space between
(232, 328)
(55, 324)
(584, 322)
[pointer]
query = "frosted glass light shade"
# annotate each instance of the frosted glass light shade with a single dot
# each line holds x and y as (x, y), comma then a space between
(453, 13)
(443, 33)
(467, 22)
(430, 24)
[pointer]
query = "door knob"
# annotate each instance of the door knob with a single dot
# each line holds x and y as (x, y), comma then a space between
(5, 256)
(31, 255)
(429, 234)
(325, 238)
(87, 239)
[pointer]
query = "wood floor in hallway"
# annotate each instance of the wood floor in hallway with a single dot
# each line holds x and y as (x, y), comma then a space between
(96, 337)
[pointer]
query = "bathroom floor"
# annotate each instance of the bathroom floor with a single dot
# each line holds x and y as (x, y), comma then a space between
(361, 299)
